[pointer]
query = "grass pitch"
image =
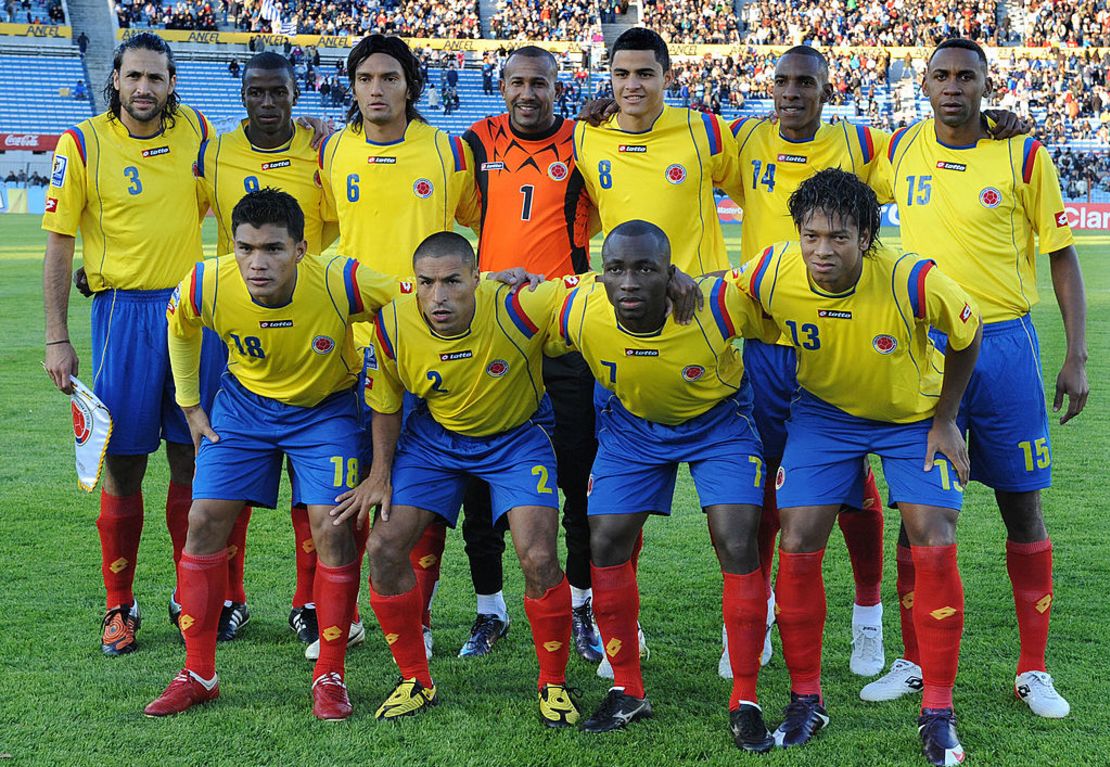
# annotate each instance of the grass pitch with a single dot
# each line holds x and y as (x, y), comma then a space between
(62, 702)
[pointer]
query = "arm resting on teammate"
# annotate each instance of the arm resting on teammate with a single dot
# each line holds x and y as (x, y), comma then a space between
(184, 343)
(61, 359)
(1067, 281)
(944, 436)
(377, 488)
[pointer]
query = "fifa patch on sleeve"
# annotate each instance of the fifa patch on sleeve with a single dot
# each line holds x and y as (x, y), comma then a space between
(58, 174)
(965, 315)
(1061, 220)
(371, 360)
(92, 426)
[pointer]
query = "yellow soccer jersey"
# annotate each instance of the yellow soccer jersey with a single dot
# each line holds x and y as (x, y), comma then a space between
(974, 210)
(866, 351)
(772, 167)
(485, 381)
(666, 176)
(230, 166)
(297, 354)
(135, 201)
(388, 198)
(672, 375)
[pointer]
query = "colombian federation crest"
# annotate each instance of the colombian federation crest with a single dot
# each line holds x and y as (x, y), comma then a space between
(990, 197)
(557, 171)
(497, 368)
(323, 344)
(422, 188)
(884, 344)
(675, 173)
(780, 478)
(691, 373)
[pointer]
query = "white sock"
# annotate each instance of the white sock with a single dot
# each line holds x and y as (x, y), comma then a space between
(771, 608)
(871, 615)
(579, 596)
(208, 683)
(493, 604)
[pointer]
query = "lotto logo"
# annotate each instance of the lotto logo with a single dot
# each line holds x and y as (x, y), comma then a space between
(156, 151)
(1061, 220)
(990, 197)
(82, 420)
(943, 612)
(884, 344)
(323, 344)
(942, 165)
(1043, 604)
(406, 287)
(834, 314)
(185, 622)
(51, 205)
(118, 566)
(497, 368)
(965, 315)
(308, 546)
(422, 188)
(427, 561)
(552, 646)
(676, 173)
(276, 164)
(449, 356)
(571, 280)
(797, 159)
(557, 171)
(691, 373)
(488, 166)
(390, 639)
(381, 160)
(331, 633)
(613, 647)
(634, 148)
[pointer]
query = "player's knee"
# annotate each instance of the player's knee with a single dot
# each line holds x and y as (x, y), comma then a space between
(540, 567)
(737, 553)
(209, 526)
(335, 545)
(798, 539)
(123, 474)
(1021, 513)
(384, 553)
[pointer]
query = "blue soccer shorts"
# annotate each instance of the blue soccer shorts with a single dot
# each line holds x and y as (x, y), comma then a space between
(1004, 411)
(433, 466)
(322, 443)
(823, 464)
(773, 372)
(637, 460)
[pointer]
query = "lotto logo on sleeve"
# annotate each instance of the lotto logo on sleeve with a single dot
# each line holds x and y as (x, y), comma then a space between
(1061, 220)
(965, 315)
(51, 205)
(571, 280)
(406, 286)
(675, 173)
(423, 188)
(58, 174)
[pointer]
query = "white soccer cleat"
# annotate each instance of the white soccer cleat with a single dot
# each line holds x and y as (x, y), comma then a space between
(605, 669)
(429, 642)
(868, 657)
(1036, 689)
(904, 678)
(356, 636)
(724, 665)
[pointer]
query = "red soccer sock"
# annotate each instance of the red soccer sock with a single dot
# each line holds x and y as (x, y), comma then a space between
(335, 589)
(938, 615)
(906, 578)
(306, 555)
(121, 525)
(1030, 568)
(744, 604)
(863, 534)
(550, 619)
(617, 608)
(636, 549)
(768, 530)
(426, 558)
(237, 557)
(201, 584)
(399, 617)
(800, 612)
(178, 500)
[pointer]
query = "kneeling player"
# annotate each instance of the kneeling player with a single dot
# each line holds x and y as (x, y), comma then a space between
(672, 394)
(472, 351)
(289, 389)
(870, 382)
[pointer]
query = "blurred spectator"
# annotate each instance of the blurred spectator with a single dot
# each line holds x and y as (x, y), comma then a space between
(576, 20)
(1071, 23)
(233, 68)
(692, 21)
(80, 91)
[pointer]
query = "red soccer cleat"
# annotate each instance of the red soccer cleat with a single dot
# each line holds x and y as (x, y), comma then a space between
(329, 698)
(183, 693)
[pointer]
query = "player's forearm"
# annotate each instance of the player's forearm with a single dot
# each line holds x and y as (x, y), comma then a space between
(55, 285)
(958, 366)
(1067, 281)
(385, 429)
(185, 364)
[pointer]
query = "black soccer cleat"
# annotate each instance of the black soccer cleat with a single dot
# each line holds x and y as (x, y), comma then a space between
(939, 741)
(485, 632)
(804, 718)
(587, 642)
(174, 610)
(232, 618)
(749, 732)
(303, 622)
(617, 711)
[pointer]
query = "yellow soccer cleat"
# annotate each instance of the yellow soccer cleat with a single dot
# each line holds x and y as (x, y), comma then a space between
(557, 708)
(408, 697)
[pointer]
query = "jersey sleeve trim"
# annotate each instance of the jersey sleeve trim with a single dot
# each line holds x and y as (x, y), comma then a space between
(720, 309)
(736, 125)
(866, 144)
(350, 282)
(516, 313)
(760, 271)
(713, 132)
(203, 121)
(564, 315)
(323, 146)
(458, 153)
(894, 141)
(196, 288)
(200, 158)
(79, 139)
(1029, 158)
(383, 339)
(917, 287)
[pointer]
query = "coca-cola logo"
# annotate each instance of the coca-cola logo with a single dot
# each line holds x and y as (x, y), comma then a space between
(29, 140)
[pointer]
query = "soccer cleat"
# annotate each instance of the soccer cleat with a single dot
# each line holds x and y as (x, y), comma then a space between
(408, 697)
(868, 657)
(174, 609)
(303, 622)
(587, 640)
(605, 668)
(557, 708)
(356, 636)
(616, 711)
(485, 632)
(904, 678)
(429, 642)
(939, 741)
(232, 618)
(117, 630)
(329, 698)
(184, 692)
(1036, 689)
(804, 718)
(749, 732)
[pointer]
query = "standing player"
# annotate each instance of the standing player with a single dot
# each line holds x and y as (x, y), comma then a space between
(290, 390)
(114, 176)
(472, 351)
(530, 192)
(974, 207)
(390, 179)
(870, 381)
(672, 394)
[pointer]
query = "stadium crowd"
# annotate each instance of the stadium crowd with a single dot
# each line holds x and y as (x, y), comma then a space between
(1072, 91)
(1075, 23)
(689, 21)
(578, 20)
(1082, 174)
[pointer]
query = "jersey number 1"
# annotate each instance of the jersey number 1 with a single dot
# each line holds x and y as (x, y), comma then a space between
(526, 209)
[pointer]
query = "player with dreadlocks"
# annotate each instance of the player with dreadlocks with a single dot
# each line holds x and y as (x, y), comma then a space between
(870, 381)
